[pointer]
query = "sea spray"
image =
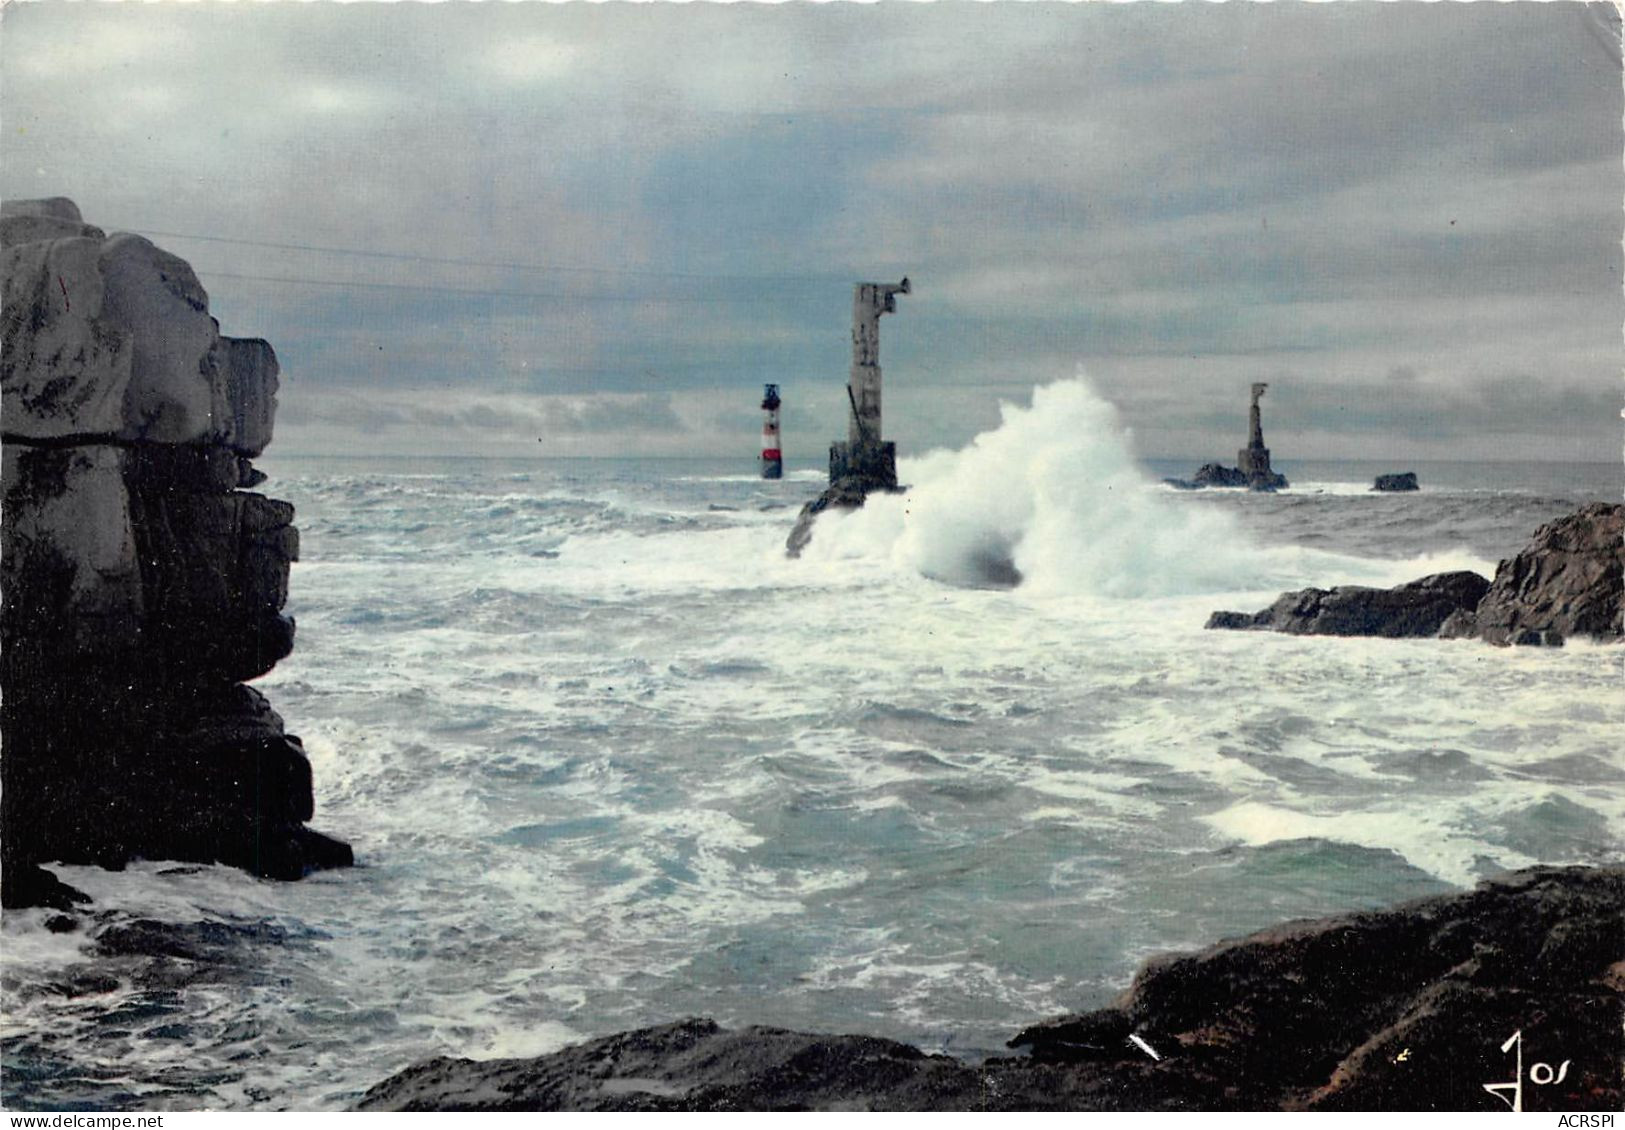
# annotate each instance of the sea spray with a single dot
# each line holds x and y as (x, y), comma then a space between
(1053, 499)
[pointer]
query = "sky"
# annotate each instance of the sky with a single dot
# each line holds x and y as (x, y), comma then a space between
(568, 229)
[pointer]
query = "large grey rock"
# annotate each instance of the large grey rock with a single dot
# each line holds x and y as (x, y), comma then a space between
(693, 1065)
(155, 297)
(1402, 1009)
(69, 549)
(247, 395)
(1418, 608)
(28, 221)
(111, 338)
(65, 369)
(1569, 581)
(48, 207)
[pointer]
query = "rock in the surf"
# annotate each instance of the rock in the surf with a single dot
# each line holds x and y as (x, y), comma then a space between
(1419, 608)
(1401, 481)
(1569, 581)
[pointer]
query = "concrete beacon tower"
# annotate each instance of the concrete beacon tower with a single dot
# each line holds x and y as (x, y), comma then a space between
(772, 454)
(1254, 459)
(865, 456)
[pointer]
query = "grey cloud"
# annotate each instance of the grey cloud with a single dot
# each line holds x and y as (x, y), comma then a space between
(642, 413)
(1496, 406)
(1175, 195)
(531, 416)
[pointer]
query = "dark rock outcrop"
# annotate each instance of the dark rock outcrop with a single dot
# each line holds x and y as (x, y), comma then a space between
(142, 584)
(692, 1065)
(1569, 581)
(1402, 1009)
(1399, 1009)
(1403, 481)
(1418, 608)
(1218, 475)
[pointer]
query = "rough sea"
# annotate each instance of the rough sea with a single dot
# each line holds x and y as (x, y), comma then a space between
(609, 759)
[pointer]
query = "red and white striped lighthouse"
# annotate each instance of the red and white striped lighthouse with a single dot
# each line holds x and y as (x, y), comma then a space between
(772, 457)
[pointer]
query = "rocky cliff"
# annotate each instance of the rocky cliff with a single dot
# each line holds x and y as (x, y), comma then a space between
(1401, 1009)
(143, 583)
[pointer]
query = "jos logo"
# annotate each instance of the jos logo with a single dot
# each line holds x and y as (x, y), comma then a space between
(1540, 1074)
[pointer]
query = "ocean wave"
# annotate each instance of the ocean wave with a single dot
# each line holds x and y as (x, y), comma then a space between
(1053, 500)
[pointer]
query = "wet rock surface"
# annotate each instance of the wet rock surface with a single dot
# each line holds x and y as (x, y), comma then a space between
(1402, 1009)
(1418, 608)
(1569, 581)
(1401, 481)
(142, 583)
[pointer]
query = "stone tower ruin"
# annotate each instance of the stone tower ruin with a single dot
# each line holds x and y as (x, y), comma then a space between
(865, 456)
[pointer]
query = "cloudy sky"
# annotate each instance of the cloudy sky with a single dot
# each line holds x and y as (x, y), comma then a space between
(469, 227)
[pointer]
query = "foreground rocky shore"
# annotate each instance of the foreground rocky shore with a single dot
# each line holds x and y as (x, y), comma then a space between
(1401, 1009)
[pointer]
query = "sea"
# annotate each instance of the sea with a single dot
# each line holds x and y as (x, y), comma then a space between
(609, 758)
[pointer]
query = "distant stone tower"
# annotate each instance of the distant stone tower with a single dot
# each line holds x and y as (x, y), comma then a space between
(1253, 461)
(865, 456)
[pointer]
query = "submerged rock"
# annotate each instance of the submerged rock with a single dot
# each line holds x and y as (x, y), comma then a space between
(142, 584)
(1418, 608)
(1569, 581)
(1403, 481)
(1402, 1009)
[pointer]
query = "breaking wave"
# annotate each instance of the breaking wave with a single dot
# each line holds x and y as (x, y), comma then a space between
(1053, 499)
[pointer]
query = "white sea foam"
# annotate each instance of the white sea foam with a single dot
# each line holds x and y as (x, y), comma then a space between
(1054, 495)
(1424, 838)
